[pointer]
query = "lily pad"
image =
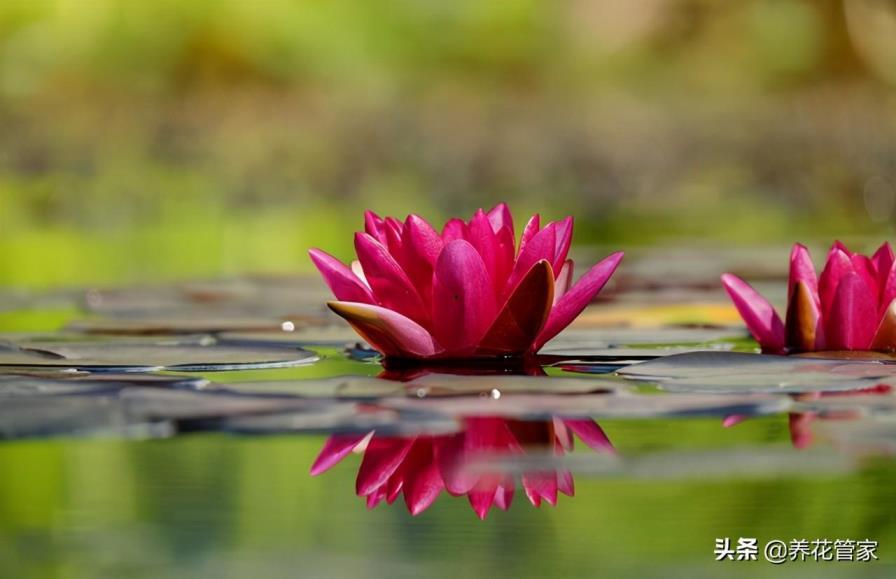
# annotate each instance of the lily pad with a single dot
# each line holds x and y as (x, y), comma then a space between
(82, 383)
(133, 356)
(614, 405)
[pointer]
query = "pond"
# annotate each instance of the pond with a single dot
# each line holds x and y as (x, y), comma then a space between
(234, 428)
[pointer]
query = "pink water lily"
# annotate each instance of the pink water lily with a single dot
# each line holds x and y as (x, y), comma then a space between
(466, 292)
(421, 467)
(850, 306)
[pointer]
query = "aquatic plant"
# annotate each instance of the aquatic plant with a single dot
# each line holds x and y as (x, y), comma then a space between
(467, 292)
(850, 306)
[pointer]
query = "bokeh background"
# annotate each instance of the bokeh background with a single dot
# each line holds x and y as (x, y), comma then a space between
(178, 139)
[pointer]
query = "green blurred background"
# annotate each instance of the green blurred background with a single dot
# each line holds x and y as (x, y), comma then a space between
(173, 139)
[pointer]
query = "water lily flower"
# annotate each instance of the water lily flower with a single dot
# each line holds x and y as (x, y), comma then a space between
(850, 306)
(421, 467)
(467, 292)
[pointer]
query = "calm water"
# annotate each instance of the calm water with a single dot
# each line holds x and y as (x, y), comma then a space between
(205, 473)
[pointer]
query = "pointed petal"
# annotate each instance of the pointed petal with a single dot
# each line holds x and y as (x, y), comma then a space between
(562, 243)
(541, 246)
(481, 501)
(564, 280)
(424, 242)
(523, 316)
(883, 260)
(375, 497)
(463, 300)
(533, 226)
(836, 267)
(851, 323)
(453, 230)
(885, 336)
(802, 270)
(480, 235)
(359, 272)
(381, 459)
(761, 318)
(540, 485)
(390, 284)
(374, 226)
(802, 319)
(591, 434)
(865, 268)
(387, 331)
(565, 483)
(344, 284)
(580, 295)
(504, 494)
(422, 480)
(420, 249)
(335, 449)
(499, 216)
(562, 434)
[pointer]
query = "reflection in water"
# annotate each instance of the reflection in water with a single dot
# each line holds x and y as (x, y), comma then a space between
(800, 423)
(421, 467)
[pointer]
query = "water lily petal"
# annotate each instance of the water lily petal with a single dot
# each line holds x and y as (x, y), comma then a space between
(421, 247)
(883, 260)
(521, 319)
(342, 281)
(562, 435)
(453, 230)
(533, 226)
(390, 284)
(564, 280)
(803, 317)
(481, 501)
(761, 318)
(504, 494)
(591, 434)
(374, 226)
(541, 246)
(885, 336)
(382, 458)
(481, 236)
(838, 265)
(499, 216)
(852, 321)
(335, 449)
(802, 270)
(580, 295)
(540, 485)
(563, 241)
(565, 482)
(375, 498)
(387, 331)
(463, 300)
(422, 482)
(863, 266)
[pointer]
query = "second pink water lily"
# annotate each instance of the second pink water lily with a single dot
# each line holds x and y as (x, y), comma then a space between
(850, 306)
(468, 291)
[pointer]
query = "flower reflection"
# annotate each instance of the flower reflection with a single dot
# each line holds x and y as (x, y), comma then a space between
(800, 423)
(421, 467)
